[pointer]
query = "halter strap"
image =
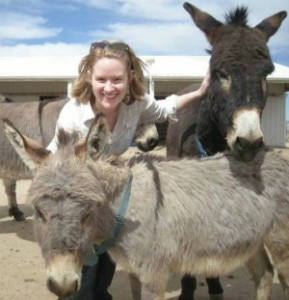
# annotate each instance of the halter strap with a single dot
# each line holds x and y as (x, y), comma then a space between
(202, 150)
(95, 252)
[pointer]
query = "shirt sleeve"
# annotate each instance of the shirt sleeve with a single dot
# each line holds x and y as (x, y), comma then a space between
(159, 110)
(65, 121)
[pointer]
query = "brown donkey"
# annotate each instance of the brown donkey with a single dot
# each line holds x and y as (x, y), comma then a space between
(188, 216)
(229, 116)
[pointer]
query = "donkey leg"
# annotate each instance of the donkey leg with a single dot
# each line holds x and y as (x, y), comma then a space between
(262, 272)
(284, 280)
(13, 209)
(153, 290)
(215, 288)
(153, 284)
(278, 245)
(135, 285)
(189, 285)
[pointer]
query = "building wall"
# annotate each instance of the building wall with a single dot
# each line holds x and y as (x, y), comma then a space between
(31, 90)
(274, 121)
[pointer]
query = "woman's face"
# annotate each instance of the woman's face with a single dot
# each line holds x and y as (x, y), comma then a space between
(109, 80)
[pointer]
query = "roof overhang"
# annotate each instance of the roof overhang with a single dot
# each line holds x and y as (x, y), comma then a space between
(158, 68)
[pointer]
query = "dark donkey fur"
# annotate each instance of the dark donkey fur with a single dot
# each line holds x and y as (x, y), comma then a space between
(37, 119)
(240, 61)
(228, 117)
(188, 216)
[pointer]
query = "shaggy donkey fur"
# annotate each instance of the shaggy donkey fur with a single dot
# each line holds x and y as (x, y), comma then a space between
(188, 216)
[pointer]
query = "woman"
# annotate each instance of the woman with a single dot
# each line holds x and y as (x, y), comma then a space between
(111, 81)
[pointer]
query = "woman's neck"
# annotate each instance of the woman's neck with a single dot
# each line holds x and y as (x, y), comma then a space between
(111, 118)
(111, 115)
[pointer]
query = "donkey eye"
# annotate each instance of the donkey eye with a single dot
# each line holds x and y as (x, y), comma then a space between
(222, 75)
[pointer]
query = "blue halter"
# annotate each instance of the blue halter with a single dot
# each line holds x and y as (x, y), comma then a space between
(202, 150)
(95, 252)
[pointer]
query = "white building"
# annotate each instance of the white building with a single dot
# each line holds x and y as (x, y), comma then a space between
(37, 78)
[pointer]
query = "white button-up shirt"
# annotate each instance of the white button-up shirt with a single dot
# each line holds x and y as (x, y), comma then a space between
(74, 115)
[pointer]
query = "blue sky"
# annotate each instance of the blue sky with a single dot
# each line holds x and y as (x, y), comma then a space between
(151, 27)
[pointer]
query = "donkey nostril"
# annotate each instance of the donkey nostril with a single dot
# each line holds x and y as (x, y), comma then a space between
(258, 144)
(244, 144)
(60, 291)
(241, 143)
(153, 142)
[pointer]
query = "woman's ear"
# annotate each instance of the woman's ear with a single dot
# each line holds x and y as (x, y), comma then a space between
(88, 76)
(131, 75)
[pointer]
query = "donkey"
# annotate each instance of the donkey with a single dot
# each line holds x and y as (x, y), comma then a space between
(37, 120)
(230, 113)
(229, 116)
(191, 216)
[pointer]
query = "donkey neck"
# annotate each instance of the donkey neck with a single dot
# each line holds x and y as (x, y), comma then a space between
(113, 180)
(211, 138)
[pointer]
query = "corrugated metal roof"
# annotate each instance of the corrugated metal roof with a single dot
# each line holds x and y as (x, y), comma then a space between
(160, 68)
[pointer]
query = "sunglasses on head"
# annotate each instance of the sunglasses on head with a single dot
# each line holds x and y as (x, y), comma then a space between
(116, 45)
(102, 45)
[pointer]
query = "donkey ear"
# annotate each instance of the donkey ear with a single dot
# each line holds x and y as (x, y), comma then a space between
(31, 153)
(97, 138)
(270, 25)
(203, 21)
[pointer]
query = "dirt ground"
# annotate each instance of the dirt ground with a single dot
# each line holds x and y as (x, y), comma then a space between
(23, 274)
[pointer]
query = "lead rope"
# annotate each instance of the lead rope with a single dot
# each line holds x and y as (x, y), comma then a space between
(202, 150)
(95, 252)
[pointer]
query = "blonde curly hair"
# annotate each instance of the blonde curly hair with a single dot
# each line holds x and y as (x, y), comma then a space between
(82, 89)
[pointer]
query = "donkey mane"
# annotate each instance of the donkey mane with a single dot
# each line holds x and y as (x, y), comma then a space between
(148, 158)
(238, 16)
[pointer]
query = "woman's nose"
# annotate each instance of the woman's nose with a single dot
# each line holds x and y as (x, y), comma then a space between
(108, 86)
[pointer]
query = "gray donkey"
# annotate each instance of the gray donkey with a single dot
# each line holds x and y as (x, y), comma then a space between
(190, 216)
(37, 119)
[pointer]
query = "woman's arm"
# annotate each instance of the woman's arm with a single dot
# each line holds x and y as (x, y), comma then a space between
(187, 98)
(166, 109)
(66, 121)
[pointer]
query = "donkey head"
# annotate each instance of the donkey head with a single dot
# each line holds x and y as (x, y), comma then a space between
(240, 62)
(67, 198)
(146, 137)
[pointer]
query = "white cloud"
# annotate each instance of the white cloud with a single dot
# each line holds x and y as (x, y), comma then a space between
(159, 10)
(47, 49)
(165, 38)
(175, 38)
(151, 27)
(15, 26)
(173, 9)
(103, 4)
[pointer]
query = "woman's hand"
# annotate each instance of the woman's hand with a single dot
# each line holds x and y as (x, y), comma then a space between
(185, 99)
(205, 84)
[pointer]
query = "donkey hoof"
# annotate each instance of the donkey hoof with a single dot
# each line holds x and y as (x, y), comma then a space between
(17, 214)
(216, 297)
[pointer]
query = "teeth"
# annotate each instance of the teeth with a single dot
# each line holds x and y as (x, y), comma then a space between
(109, 97)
